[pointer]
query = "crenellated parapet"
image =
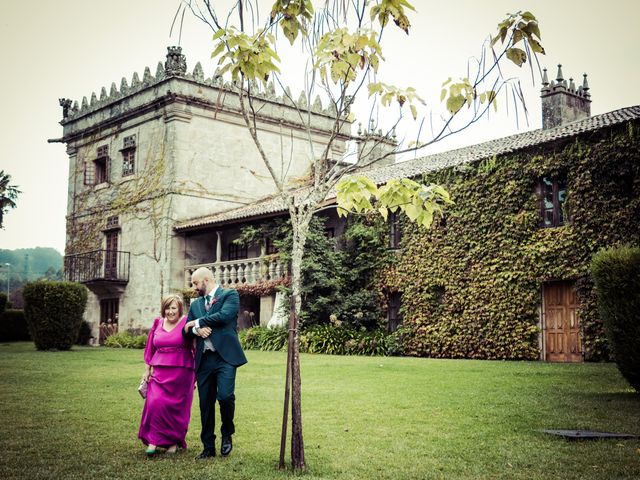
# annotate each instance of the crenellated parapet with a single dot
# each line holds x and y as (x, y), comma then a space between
(175, 66)
(562, 101)
(375, 148)
(560, 84)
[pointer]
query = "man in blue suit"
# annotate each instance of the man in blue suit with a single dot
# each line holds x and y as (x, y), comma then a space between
(213, 321)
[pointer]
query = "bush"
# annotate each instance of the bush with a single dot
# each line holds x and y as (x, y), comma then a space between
(261, 338)
(84, 335)
(360, 309)
(3, 302)
(53, 311)
(327, 339)
(616, 274)
(13, 326)
(337, 340)
(125, 340)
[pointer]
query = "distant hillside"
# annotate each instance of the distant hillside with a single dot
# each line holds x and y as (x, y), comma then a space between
(31, 263)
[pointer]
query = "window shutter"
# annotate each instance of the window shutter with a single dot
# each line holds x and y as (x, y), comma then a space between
(107, 163)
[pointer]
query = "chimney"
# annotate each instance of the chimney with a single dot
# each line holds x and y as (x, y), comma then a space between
(562, 103)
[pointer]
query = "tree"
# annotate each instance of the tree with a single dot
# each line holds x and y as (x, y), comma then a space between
(8, 195)
(342, 45)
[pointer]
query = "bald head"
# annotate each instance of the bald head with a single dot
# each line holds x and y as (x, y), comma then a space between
(202, 273)
(202, 281)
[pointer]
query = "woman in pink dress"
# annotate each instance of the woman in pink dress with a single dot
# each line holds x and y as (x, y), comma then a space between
(169, 371)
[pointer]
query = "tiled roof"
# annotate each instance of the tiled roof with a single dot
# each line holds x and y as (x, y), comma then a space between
(429, 163)
(261, 207)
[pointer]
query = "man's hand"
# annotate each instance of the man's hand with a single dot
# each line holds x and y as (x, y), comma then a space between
(204, 332)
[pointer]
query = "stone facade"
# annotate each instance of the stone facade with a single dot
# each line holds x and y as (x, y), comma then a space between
(159, 151)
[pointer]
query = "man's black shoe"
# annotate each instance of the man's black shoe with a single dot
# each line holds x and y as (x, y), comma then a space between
(206, 454)
(226, 447)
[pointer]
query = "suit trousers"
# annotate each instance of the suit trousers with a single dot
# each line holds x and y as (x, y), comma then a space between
(216, 381)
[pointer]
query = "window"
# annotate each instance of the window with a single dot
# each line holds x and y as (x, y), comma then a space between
(97, 172)
(270, 248)
(113, 222)
(128, 155)
(111, 254)
(437, 291)
(553, 193)
(395, 231)
(237, 252)
(394, 316)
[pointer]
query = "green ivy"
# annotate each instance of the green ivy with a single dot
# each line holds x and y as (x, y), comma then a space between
(489, 258)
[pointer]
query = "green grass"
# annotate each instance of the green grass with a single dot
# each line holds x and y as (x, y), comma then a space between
(75, 415)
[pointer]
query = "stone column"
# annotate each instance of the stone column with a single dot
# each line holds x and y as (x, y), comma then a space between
(219, 247)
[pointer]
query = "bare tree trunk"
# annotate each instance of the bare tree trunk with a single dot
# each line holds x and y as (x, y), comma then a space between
(285, 413)
(297, 444)
(300, 226)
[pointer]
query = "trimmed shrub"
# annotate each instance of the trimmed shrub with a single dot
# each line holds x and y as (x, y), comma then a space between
(125, 340)
(54, 313)
(13, 326)
(84, 335)
(616, 274)
(3, 302)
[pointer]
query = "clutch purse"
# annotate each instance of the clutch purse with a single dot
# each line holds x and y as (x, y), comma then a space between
(142, 388)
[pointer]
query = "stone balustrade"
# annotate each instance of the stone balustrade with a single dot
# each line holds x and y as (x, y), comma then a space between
(245, 271)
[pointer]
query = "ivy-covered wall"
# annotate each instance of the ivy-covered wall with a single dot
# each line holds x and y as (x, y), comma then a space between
(471, 285)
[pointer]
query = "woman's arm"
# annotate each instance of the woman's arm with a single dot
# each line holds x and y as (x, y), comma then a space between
(149, 348)
(148, 371)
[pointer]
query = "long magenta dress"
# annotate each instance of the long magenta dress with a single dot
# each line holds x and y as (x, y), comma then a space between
(167, 408)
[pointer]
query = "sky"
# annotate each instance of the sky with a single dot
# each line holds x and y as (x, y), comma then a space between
(71, 48)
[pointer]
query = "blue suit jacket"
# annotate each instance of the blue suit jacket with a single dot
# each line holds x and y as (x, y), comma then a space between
(222, 318)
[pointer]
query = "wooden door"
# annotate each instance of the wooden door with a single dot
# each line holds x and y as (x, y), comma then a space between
(109, 311)
(111, 256)
(563, 340)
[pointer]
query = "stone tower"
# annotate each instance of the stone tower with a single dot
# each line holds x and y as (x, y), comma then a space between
(563, 103)
(163, 149)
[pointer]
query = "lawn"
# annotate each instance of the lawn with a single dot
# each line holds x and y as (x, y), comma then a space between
(75, 415)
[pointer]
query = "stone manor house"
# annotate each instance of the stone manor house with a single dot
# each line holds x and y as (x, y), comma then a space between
(163, 174)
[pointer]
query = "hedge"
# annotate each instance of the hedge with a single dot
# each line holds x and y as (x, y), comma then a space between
(616, 274)
(327, 339)
(53, 311)
(84, 334)
(13, 326)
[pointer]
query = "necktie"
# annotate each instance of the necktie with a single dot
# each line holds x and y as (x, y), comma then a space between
(208, 345)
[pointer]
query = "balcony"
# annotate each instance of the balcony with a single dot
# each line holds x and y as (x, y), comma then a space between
(247, 271)
(103, 271)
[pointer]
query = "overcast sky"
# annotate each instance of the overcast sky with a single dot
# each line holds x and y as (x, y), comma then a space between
(71, 48)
